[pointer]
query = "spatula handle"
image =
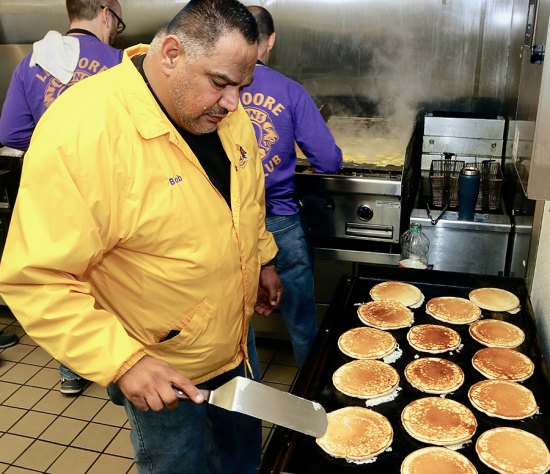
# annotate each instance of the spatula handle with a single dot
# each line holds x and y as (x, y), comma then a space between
(185, 398)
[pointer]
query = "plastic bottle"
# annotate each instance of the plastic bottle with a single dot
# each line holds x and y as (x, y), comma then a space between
(414, 248)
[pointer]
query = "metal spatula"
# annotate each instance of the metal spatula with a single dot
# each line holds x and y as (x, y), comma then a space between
(260, 401)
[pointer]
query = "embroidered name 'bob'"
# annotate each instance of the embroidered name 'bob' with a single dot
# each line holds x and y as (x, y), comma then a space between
(175, 180)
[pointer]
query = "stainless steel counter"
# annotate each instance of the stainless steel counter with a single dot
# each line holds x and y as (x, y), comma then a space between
(478, 246)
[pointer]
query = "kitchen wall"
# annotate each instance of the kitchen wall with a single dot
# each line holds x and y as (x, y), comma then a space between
(393, 58)
(528, 108)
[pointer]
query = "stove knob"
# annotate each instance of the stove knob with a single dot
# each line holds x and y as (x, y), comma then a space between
(365, 213)
(329, 205)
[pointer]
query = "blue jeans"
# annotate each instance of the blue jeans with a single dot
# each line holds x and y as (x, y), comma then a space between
(295, 270)
(196, 438)
(67, 374)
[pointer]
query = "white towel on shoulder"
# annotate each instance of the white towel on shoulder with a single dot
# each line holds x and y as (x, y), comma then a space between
(57, 54)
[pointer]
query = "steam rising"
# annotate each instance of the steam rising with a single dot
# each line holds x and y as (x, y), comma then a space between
(398, 86)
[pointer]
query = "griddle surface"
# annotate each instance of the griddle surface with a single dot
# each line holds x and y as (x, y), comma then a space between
(292, 452)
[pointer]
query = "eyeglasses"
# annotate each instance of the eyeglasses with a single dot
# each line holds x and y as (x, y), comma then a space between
(121, 26)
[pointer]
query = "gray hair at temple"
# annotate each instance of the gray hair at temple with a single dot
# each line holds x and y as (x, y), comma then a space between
(264, 20)
(87, 9)
(201, 23)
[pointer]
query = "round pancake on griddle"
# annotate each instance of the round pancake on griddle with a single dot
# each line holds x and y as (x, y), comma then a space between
(356, 433)
(453, 310)
(503, 363)
(404, 293)
(436, 460)
(385, 315)
(367, 343)
(494, 299)
(496, 333)
(511, 450)
(434, 375)
(433, 338)
(439, 421)
(503, 399)
(366, 379)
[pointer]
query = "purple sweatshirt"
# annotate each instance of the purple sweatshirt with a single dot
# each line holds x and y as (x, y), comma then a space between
(283, 113)
(32, 90)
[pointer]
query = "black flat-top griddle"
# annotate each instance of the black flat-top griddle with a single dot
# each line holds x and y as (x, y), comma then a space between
(291, 452)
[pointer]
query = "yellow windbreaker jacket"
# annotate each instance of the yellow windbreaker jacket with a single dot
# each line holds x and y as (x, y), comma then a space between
(118, 236)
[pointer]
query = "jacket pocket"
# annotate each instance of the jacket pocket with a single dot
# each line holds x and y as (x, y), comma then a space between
(191, 326)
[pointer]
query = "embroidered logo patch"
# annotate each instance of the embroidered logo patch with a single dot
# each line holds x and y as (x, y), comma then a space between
(243, 156)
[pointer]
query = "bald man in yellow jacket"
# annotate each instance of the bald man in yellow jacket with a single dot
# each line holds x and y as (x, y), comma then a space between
(137, 252)
(123, 260)
(119, 238)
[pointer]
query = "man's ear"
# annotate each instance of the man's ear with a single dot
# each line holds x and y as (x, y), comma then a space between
(170, 52)
(271, 41)
(106, 17)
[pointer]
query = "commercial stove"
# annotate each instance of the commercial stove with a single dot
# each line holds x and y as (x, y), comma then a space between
(359, 213)
(292, 452)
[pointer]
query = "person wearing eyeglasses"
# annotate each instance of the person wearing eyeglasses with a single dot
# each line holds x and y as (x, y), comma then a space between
(56, 63)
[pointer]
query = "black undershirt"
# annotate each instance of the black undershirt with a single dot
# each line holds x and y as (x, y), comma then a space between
(207, 147)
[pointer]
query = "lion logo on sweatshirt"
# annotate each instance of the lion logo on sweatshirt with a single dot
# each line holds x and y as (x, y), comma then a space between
(55, 87)
(265, 130)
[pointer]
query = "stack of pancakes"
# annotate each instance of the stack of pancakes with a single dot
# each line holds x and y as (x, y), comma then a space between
(434, 375)
(436, 460)
(503, 363)
(439, 421)
(494, 299)
(503, 399)
(433, 338)
(385, 315)
(453, 310)
(496, 333)
(366, 343)
(356, 433)
(404, 293)
(513, 451)
(366, 379)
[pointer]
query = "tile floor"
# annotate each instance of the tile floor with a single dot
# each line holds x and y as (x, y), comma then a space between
(43, 431)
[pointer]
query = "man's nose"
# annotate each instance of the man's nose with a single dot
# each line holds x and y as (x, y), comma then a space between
(230, 99)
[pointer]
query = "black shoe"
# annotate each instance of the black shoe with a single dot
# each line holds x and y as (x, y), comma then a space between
(8, 340)
(72, 387)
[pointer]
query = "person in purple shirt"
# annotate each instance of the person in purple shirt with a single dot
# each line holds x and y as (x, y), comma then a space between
(56, 63)
(283, 113)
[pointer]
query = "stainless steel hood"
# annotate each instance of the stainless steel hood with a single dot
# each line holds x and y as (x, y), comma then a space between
(367, 57)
